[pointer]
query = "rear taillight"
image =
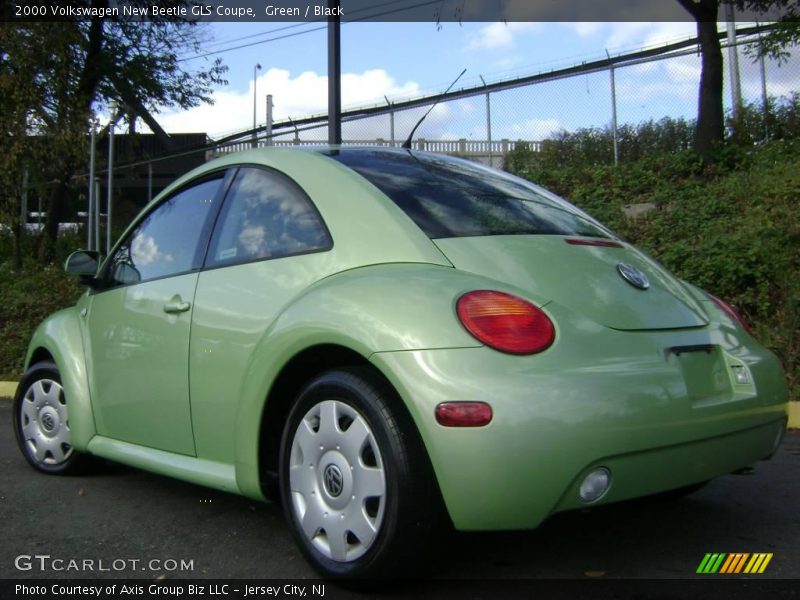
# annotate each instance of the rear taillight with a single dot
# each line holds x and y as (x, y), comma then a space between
(731, 312)
(505, 322)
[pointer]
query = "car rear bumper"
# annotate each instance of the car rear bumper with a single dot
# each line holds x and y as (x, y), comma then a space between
(643, 415)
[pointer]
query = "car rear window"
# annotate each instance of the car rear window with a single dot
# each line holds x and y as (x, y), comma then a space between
(448, 197)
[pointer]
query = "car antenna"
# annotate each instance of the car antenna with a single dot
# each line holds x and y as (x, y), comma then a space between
(407, 143)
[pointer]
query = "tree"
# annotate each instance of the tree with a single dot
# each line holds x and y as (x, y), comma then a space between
(81, 65)
(710, 114)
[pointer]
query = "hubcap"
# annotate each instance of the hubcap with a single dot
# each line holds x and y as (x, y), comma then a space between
(337, 481)
(43, 422)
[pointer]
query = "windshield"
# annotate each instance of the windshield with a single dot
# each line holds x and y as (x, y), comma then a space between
(449, 197)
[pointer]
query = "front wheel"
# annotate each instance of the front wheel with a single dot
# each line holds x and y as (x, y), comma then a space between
(41, 422)
(355, 484)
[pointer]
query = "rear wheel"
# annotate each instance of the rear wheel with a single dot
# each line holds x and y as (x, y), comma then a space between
(41, 422)
(354, 482)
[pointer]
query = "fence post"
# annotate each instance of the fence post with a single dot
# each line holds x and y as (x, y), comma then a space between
(488, 122)
(23, 209)
(764, 97)
(733, 62)
(90, 242)
(614, 132)
(113, 109)
(149, 181)
(96, 184)
(391, 119)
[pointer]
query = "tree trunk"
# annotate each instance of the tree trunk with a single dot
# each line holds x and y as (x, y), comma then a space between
(81, 105)
(710, 116)
(55, 215)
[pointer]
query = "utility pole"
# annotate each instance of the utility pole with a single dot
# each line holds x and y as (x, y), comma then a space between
(334, 75)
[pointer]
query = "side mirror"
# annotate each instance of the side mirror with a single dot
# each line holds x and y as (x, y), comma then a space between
(84, 263)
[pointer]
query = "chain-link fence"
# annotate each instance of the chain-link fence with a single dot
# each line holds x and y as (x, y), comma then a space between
(486, 123)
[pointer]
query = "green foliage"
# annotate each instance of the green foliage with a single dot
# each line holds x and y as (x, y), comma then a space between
(731, 227)
(54, 75)
(26, 297)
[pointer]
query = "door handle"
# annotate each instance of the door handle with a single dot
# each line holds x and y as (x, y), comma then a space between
(176, 305)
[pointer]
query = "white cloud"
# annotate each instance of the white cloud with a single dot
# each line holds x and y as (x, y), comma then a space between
(302, 95)
(500, 35)
(633, 34)
(531, 129)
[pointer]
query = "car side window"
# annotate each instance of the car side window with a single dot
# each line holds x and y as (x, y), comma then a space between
(166, 241)
(265, 215)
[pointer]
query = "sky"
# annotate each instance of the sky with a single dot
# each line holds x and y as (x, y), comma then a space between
(404, 60)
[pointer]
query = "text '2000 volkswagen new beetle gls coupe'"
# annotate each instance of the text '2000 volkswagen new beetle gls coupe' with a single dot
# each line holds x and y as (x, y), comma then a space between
(385, 338)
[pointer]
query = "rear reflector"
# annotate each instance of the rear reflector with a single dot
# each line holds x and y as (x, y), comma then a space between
(463, 414)
(505, 322)
(602, 243)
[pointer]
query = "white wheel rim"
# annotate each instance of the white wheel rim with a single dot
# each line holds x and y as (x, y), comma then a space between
(337, 481)
(44, 424)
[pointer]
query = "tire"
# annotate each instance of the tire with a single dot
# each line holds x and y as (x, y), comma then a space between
(351, 459)
(41, 423)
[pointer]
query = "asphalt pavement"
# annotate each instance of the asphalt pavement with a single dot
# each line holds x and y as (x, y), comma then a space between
(122, 519)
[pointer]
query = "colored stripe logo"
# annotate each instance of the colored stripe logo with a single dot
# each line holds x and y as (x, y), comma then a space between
(734, 563)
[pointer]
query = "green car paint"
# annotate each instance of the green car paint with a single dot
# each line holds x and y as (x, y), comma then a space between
(183, 394)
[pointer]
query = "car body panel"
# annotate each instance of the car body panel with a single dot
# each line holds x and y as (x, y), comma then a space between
(576, 406)
(202, 472)
(139, 355)
(361, 309)
(585, 278)
(61, 336)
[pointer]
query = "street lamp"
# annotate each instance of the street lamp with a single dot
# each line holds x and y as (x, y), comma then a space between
(256, 68)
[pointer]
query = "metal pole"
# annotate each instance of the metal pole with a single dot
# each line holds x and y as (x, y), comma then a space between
(764, 97)
(113, 108)
(391, 120)
(614, 112)
(97, 214)
(23, 209)
(334, 76)
(256, 68)
(149, 181)
(269, 120)
(488, 123)
(92, 197)
(733, 61)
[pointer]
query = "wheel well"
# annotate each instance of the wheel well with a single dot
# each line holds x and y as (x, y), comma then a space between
(299, 371)
(40, 355)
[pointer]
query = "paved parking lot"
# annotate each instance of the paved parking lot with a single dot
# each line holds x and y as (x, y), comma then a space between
(121, 513)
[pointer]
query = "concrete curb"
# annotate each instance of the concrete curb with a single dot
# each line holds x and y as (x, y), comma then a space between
(8, 388)
(794, 415)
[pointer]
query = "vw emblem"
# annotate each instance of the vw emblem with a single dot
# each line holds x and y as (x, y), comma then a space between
(633, 276)
(48, 422)
(333, 480)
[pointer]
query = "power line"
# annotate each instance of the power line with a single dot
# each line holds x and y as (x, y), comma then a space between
(289, 35)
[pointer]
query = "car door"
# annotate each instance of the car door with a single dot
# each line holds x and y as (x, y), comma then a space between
(139, 321)
(269, 244)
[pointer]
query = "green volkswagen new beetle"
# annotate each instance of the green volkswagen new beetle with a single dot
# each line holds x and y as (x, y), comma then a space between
(388, 339)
